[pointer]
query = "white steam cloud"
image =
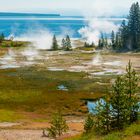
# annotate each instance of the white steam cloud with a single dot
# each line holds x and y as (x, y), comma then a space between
(41, 39)
(91, 32)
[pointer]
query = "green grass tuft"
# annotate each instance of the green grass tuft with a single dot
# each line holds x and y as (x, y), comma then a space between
(8, 116)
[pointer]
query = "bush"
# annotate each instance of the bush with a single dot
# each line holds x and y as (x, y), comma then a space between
(88, 124)
(58, 126)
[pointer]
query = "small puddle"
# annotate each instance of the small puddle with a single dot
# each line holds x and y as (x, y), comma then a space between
(55, 69)
(91, 105)
(62, 87)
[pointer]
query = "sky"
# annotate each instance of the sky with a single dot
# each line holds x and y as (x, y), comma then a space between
(68, 7)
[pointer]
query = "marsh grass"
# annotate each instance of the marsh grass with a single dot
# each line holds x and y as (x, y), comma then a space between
(36, 91)
(17, 44)
(9, 116)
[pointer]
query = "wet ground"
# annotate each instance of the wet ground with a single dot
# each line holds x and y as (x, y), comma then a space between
(94, 63)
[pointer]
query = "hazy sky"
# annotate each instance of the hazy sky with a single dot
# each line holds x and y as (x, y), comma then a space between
(71, 7)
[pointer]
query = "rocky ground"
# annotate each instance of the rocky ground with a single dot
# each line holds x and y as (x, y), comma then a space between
(34, 130)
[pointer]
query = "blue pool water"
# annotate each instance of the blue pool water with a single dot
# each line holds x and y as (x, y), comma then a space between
(92, 105)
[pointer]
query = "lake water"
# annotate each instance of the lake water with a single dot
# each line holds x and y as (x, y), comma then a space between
(18, 25)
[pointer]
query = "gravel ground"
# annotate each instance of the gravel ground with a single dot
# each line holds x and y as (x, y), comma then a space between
(22, 135)
(29, 135)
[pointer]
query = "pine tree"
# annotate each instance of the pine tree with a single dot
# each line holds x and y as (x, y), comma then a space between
(63, 44)
(54, 43)
(2, 37)
(131, 87)
(92, 44)
(119, 104)
(128, 35)
(113, 39)
(68, 43)
(85, 45)
(118, 43)
(98, 117)
(106, 113)
(124, 36)
(88, 126)
(134, 26)
(103, 116)
(58, 126)
(106, 42)
(101, 43)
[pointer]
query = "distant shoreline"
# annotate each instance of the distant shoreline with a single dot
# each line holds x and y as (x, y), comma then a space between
(9, 14)
(19, 14)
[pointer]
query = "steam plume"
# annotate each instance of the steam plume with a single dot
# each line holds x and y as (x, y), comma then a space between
(91, 32)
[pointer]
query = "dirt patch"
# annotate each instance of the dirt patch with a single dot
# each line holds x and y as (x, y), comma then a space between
(8, 124)
(21, 135)
(33, 130)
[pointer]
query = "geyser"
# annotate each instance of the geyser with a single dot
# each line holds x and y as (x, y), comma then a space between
(97, 60)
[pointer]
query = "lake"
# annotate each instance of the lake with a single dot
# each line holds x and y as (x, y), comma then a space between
(59, 25)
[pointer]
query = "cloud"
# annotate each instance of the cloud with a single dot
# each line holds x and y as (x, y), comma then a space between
(97, 7)
(107, 7)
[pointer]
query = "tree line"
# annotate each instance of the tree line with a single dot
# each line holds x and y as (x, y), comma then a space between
(127, 38)
(88, 45)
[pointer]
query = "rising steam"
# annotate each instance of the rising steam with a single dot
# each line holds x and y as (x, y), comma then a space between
(91, 32)
(41, 39)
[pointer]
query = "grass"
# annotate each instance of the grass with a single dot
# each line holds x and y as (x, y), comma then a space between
(129, 133)
(133, 130)
(36, 91)
(86, 48)
(8, 116)
(9, 43)
(33, 91)
(85, 137)
(113, 136)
